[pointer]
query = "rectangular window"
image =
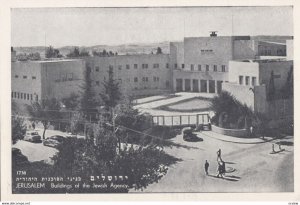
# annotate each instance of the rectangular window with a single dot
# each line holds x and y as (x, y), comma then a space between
(12, 94)
(192, 67)
(155, 65)
(135, 79)
(24, 76)
(175, 65)
(182, 66)
(36, 98)
(70, 76)
(97, 83)
(120, 67)
(167, 65)
(16, 76)
(199, 67)
(215, 68)
(207, 67)
(21, 95)
(33, 78)
(110, 67)
(27, 96)
(135, 66)
(30, 96)
(253, 81)
(247, 80)
(241, 79)
(18, 95)
(144, 66)
(97, 69)
(127, 66)
(223, 68)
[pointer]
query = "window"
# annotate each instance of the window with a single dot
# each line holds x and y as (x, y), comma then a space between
(155, 65)
(27, 96)
(269, 52)
(135, 79)
(110, 67)
(192, 67)
(24, 76)
(241, 78)
(253, 81)
(97, 69)
(36, 98)
(207, 67)
(223, 68)
(175, 65)
(215, 68)
(135, 66)
(167, 65)
(18, 95)
(12, 94)
(182, 66)
(144, 66)
(127, 66)
(21, 95)
(33, 78)
(70, 76)
(120, 67)
(30, 96)
(247, 80)
(16, 76)
(199, 67)
(97, 83)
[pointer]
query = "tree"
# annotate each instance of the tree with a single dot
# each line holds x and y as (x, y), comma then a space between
(271, 94)
(74, 54)
(71, 102)
(34, 56)
(88, 102)
(288, 88)
(45, 111)
(18, 128)
(159, 51)
(112, 93)
(52, 53)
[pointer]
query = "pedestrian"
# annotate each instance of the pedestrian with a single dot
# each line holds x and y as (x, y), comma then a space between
(219, 171)
(33, 125)
(251, 130)
(206, 167)
(219, 155)
(273, 148)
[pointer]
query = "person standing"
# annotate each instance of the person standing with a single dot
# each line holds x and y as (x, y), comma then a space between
(206, 167)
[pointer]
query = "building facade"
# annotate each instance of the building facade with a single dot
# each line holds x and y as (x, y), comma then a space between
(35, 80)
(197, 64)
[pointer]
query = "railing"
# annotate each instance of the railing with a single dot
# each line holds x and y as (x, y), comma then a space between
(179, 120)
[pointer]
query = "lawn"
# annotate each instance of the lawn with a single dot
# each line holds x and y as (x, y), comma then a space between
(189, 105)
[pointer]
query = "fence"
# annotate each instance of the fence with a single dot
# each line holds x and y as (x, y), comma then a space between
(179, 120)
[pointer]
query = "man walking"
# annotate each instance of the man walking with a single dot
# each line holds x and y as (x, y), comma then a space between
(206, 167)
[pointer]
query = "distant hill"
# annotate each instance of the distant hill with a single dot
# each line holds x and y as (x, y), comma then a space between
(120, 49)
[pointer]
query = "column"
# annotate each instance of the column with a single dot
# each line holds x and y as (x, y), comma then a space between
(183, 84)
(199, 85)
(207, 86)
(191, 85)
(216, 86)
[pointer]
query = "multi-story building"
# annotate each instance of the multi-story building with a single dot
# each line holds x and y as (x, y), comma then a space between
(198, 64)
(34, 80)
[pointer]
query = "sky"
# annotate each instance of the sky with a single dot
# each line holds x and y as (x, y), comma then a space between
(114, 26)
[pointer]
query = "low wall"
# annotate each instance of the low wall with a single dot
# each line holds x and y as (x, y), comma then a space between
(243, 133)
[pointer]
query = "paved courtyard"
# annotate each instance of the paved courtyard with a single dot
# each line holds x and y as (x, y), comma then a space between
(252, 168)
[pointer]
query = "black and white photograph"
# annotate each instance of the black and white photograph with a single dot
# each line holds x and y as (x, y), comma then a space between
(173, 99)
